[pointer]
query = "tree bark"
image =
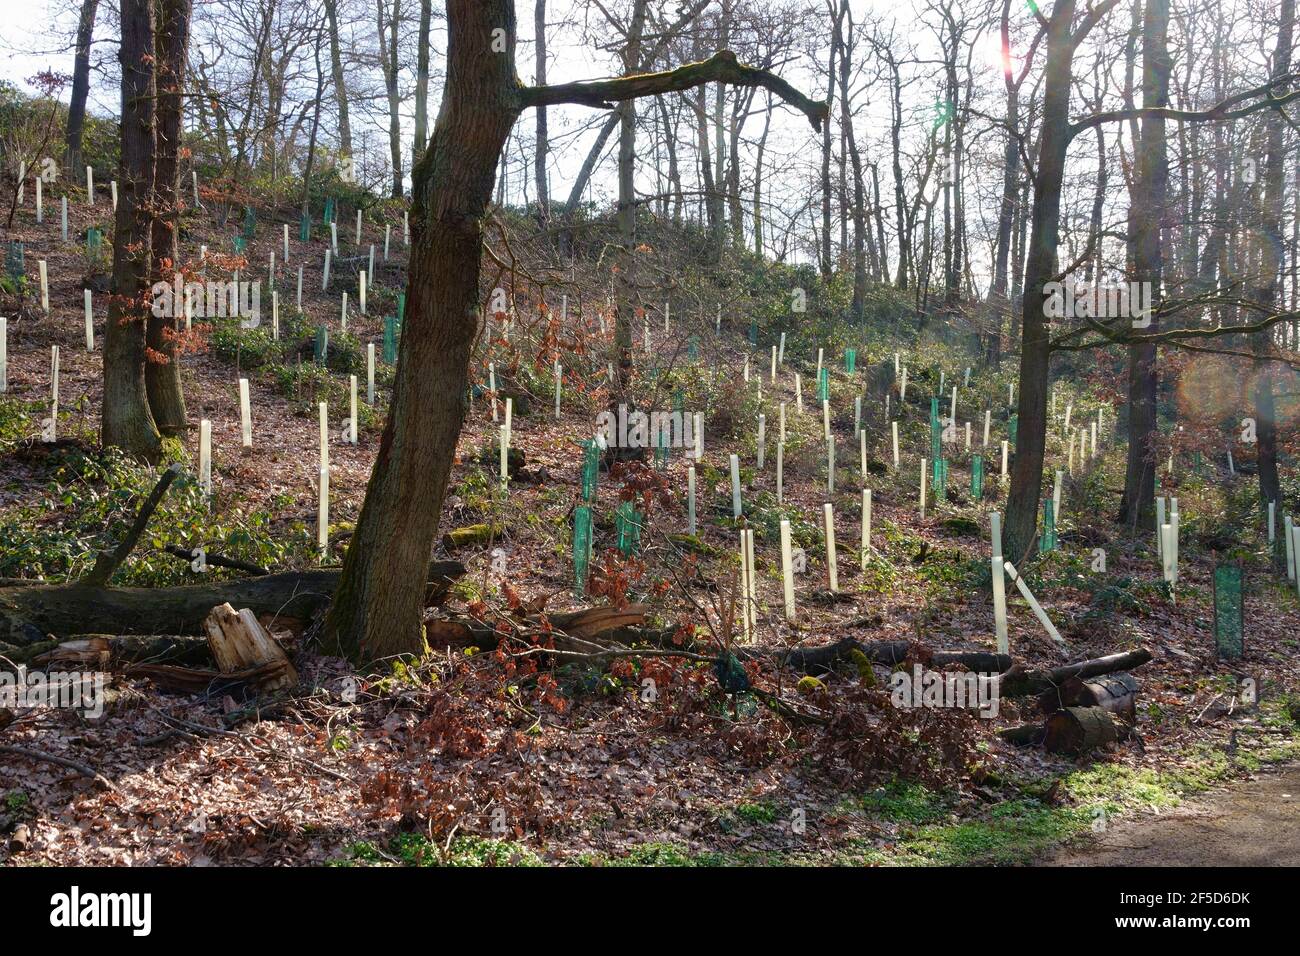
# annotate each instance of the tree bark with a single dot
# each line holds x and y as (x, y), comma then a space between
(1149, 208)
(376, 611)
(543, 136)
(162, 368)
(422, 80)
(80, 88)
(1266, 291)
(126, 421)
(389, 63)
(340, 81)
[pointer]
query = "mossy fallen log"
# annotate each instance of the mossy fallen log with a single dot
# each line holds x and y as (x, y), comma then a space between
(31, 614)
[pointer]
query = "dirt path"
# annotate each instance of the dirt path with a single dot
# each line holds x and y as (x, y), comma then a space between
(1254, 824)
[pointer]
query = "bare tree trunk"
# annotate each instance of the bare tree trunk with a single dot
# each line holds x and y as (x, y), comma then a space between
(315, 129)
(422, 80)
(626, 305)
(827, 264)
(1149, 211)
(389, 62)
(125, 420)
(998, 301)
(674, 170)
(80, 87)
(543, 143)
(1035, 349)
(900, 200)
(376, 611)
(883, 273)
(845, 36)
(340, 81)
(163, 370)
(1266, 292)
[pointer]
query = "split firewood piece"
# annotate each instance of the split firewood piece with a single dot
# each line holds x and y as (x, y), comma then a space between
(240, 643)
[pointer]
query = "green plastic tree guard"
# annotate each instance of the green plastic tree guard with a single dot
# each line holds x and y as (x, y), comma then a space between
(1229, 639)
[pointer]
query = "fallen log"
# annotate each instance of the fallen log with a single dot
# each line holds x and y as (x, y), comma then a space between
(807, 660)
(28, 614)
(1024, 735)
(108, 651)
(572, 630)
(1115, 693)
(215, 560)
(200, 680)
(473, 534)
(815, 660)
(1074, 731)
(1033, 683)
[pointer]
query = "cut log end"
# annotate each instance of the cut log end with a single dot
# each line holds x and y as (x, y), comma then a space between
(1075, 731)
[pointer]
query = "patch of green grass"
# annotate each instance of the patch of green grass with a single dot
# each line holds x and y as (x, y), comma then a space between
(904, 802)
(413, 849)
(655, 854)
(762, 812)
(1012, 832)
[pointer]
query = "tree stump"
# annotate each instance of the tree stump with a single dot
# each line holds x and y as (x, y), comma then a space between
(240, 643)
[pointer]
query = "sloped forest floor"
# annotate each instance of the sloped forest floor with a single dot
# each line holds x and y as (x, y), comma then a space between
(474, 756)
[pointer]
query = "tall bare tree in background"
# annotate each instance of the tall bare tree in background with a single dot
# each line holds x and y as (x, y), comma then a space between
(1266, 291)
(80, 87)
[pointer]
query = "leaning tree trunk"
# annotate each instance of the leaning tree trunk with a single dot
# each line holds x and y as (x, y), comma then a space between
(376, 610)
(126, 421)
(1035, 350)
(340, 81)
(163, 370)
(80, 87)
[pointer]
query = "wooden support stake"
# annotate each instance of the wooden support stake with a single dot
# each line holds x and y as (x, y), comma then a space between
(1033, 603)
